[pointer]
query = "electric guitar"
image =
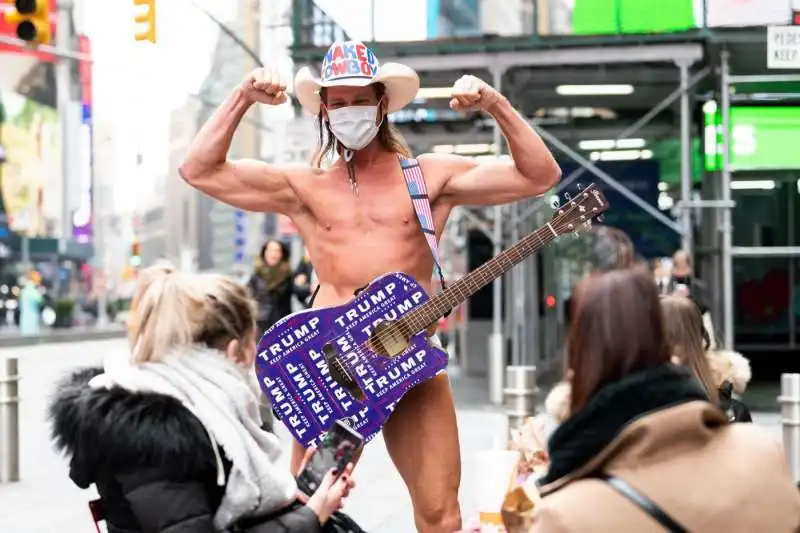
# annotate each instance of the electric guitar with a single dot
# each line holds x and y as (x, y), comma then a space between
(355, 361)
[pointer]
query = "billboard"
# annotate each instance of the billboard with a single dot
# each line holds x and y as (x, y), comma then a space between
(453, 18)
(32, 142)
(82, 218)
(651, 238)
(762, 138)
(603, 17)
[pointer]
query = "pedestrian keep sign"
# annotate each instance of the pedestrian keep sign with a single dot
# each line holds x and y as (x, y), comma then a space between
(783, 47)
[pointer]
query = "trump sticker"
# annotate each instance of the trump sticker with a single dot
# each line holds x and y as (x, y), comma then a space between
(348, 60)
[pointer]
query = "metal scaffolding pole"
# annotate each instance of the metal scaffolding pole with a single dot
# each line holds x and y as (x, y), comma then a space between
(517, 296)
(630, 130)
(605, 176)
(497, 362)
(686, 160)
(726, 227)
(69, 132)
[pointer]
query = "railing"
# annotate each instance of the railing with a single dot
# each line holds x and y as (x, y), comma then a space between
(537, 19)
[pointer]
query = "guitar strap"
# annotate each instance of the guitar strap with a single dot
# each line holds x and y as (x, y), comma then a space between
(418, 192)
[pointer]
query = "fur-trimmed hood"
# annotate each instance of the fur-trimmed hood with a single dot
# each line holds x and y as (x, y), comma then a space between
(115, 430)
(726, 365)
(732, 367)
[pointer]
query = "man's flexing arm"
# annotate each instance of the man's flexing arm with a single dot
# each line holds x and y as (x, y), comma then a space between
(246, 184)
(531, 172)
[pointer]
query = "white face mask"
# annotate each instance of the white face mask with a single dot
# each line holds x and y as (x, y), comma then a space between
(354, 126)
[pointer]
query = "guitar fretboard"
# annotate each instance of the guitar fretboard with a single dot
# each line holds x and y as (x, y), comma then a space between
(428, 313)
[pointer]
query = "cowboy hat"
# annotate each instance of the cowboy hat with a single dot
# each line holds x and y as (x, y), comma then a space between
(352, 64)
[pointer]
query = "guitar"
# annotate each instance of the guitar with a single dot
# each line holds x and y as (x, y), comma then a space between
(355, 361)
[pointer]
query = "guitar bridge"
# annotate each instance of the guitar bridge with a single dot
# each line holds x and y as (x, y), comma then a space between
(339, 372)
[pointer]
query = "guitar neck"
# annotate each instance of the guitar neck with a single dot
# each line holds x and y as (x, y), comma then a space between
(431, 311)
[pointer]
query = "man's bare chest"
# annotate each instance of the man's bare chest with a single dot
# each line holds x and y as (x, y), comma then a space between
(379, 199)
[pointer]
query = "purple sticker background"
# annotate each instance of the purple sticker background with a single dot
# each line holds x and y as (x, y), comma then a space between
(293, 372)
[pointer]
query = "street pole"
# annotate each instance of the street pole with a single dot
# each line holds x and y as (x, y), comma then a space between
(100, 219)
(725, 183)
(686, 161)
(9, 420)
(497, 364)
(63, 72)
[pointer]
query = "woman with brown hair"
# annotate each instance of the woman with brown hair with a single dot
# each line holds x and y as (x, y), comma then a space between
(642, 429)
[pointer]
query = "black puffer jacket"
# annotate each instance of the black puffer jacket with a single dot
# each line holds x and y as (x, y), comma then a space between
(736, 410)
(151, 460)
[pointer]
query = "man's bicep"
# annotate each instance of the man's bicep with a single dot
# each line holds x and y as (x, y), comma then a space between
(468, 182)
(258, 186)
(246, 184)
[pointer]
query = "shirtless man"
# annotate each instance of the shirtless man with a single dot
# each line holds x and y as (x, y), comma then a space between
(360, 208)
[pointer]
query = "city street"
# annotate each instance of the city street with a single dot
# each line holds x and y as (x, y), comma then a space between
(46, 501)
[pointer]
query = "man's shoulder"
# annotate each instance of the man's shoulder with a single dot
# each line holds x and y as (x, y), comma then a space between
(444, 165)
(300, 171)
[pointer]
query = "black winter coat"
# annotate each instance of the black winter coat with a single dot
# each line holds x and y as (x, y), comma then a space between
(151, 460)
(272, 304)
(736, 410)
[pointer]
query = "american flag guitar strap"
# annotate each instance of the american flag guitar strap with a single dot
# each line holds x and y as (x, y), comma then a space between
(415, 183)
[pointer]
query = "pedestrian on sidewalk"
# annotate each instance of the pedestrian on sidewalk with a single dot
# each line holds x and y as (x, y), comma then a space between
(30, 306)
(171, 434)
(722, 372)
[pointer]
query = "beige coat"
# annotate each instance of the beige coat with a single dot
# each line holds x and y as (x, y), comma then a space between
(709, 476)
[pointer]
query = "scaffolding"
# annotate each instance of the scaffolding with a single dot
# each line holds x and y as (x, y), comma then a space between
(508, 223)
(725, 203)
(518, 340)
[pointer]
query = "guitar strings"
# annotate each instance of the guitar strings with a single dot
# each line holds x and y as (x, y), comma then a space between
(562, 222)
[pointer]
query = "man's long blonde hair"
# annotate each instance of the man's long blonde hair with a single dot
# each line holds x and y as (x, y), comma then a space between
(388, 136)
(683, 325)
(172, 308)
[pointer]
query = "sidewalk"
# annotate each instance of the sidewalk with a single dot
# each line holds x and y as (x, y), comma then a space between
(45, 501)
(10, 336)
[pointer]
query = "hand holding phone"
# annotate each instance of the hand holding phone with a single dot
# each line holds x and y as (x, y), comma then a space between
(332, 491)
(336, 450)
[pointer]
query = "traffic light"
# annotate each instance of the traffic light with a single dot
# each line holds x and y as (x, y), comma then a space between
(146, 17)
(32, 19)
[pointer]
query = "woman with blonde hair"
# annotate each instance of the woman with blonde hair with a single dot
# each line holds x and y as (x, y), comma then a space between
(170, 432)
(687, 338)
(721, 372)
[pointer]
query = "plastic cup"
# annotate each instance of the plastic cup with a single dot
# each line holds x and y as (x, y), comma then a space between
(497, 472)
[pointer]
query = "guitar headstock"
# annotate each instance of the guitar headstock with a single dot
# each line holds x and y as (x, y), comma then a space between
(578, 211)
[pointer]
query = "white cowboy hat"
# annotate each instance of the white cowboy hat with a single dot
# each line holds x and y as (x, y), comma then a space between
(351, 63)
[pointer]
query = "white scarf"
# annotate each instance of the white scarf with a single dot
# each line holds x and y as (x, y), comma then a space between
(217, 392)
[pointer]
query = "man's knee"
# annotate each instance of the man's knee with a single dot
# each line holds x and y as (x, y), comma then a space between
(439, 515)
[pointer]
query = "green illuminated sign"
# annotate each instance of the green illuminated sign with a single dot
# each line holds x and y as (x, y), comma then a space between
(602, 17)
(762, 138)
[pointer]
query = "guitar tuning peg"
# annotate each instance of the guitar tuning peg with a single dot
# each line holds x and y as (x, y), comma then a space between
(576, 235)
(579, 186)
(554, 202)
(600, 218)
(567, 196)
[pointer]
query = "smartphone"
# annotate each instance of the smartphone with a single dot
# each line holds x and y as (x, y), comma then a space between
(337, 448)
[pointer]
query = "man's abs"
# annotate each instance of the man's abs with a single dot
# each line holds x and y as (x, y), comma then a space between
(345, 265)
(330, 295)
